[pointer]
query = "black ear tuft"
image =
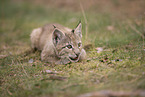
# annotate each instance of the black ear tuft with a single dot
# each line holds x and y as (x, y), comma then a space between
(73, 30)
(54, 26)
(78, 30)
(79, 21)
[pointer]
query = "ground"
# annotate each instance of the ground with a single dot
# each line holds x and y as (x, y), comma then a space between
(114, 45)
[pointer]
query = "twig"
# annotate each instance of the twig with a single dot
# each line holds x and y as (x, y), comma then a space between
(108, 93)
(9, 92)
(133, 28)
(84, 15)
(138, 32)
(3, 56)
(142, 35)
(93, 58)
(71, 85)
(143, 56)
(23, 69)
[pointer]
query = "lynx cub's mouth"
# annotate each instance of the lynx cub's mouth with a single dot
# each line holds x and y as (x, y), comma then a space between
(74, 59)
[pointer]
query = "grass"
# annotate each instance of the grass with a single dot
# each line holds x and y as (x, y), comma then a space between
(120, 67)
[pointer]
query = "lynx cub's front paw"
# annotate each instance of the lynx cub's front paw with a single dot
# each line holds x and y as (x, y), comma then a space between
(63, 61)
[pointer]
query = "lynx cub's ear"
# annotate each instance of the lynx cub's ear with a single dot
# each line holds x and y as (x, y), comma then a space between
(57, 36)
(78, 30)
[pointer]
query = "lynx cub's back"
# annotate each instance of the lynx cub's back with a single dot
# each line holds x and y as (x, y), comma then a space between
(58, 44)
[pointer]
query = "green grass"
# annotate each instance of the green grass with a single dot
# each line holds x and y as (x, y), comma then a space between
(18, 78)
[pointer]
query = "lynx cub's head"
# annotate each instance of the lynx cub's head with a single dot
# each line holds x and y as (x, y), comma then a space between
(68, 43)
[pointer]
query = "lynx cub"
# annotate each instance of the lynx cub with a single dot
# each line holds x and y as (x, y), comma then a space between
(58, 44)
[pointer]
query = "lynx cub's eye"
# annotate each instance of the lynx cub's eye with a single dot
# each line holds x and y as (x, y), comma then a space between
(79, 44)
(69, 46)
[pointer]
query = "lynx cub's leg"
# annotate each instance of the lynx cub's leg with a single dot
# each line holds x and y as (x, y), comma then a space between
(47, 57)
(83, 55)
(63, 61)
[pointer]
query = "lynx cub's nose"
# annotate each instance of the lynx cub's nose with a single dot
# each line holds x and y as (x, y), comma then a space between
(78, 54)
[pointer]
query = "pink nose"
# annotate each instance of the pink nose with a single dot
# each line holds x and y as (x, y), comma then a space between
(77, 51)
(78, 54)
